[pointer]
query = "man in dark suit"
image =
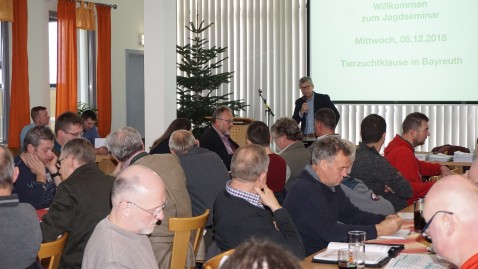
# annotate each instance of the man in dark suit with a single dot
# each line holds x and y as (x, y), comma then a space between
(308, 104)
(217, 137)
(82, 200)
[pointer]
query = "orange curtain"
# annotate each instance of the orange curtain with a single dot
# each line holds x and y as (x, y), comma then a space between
(6, 10)
(66, 80)
(20, 98)
(103, 67)
(85, 16)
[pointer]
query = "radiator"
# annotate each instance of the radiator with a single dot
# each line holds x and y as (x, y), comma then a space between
(449, 124)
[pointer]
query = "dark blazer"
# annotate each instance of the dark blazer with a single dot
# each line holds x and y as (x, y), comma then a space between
(211, 140)
(82, 200)
(320, 101)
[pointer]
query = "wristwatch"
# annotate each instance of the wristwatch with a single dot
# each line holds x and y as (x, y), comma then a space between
(55, 174)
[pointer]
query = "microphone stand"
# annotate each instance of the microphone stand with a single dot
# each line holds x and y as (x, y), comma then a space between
(268, 111)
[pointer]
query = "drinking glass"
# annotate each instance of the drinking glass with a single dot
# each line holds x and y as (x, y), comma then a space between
(347, 259)
(357, 244)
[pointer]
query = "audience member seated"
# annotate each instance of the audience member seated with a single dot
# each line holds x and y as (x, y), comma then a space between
(360, 195)
(400, 153)
(206, 174)
(374, 170)
(120, 240)
(248, 208)
(126, 146)
(90, 131)
(261, 254)
(40, 117)
(217, 139)
(308, 104)
(325, 124)
(39, 175)
(20, 234)
(67, 126)
(288, 139)
(81, 201)
(258, 133)
(321, 211)
(450, 208)
(161, 145)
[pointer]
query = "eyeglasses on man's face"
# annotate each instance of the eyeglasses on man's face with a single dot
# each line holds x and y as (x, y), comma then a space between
(61, 159)
(74, 134)
(429, 222)
(228, 121)
(156, 212)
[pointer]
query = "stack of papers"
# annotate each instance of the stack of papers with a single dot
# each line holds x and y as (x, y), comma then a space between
(376, 255)
(412, 261)
(463, 157)
(439, 157)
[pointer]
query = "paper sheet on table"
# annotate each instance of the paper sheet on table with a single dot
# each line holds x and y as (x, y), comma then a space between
(405, 215)
(400, 234)
(415, 261)
(99, 142)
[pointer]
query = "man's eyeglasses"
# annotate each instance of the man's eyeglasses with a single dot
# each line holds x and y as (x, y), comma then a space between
(61, 159)
(154, 214)
(431, 219)
(228, 121)
(74, 134)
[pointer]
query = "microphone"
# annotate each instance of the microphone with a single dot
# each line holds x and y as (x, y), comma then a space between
(260, 91)
(305, 101)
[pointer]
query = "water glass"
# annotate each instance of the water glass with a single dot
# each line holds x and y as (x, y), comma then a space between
(347, 259)
(357, 244)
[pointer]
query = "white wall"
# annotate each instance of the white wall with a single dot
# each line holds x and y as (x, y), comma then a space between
(126, 27)
(38, 52)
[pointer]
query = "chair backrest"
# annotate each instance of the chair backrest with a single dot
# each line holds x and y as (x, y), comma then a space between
(215, 261)
(182, 228)
(53, 250)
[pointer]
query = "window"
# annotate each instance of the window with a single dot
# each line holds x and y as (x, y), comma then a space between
(4, 80)
(86, 46)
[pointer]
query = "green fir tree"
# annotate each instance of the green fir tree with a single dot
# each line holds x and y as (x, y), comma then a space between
(197, 87)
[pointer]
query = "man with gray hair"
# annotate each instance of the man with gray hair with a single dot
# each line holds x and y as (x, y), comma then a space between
(81, 201)
(321, 210)
(120, 240)
(308, 104)
(288, 138)
(217, 137)
(20, 234)
(206, 174)
(39, 176)
(126, 146)
(248, 208)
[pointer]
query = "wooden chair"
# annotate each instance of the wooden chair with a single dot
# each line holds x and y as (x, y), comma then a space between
(53, 250)
(436, 178)
(182, 228)
(215, 261)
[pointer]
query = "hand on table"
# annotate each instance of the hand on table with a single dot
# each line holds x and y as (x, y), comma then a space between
(390, 225)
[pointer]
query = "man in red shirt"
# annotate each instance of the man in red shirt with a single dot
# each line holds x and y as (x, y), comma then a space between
(400, 152)
(258, 133)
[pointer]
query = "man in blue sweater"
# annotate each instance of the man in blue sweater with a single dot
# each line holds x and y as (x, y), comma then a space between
(320, 209)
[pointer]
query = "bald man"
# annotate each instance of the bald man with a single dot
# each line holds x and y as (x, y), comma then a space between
(450, 207)
(120, 240)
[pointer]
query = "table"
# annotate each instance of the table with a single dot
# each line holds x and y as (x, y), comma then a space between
(105, 163)
(458, 165)
(415, 243)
